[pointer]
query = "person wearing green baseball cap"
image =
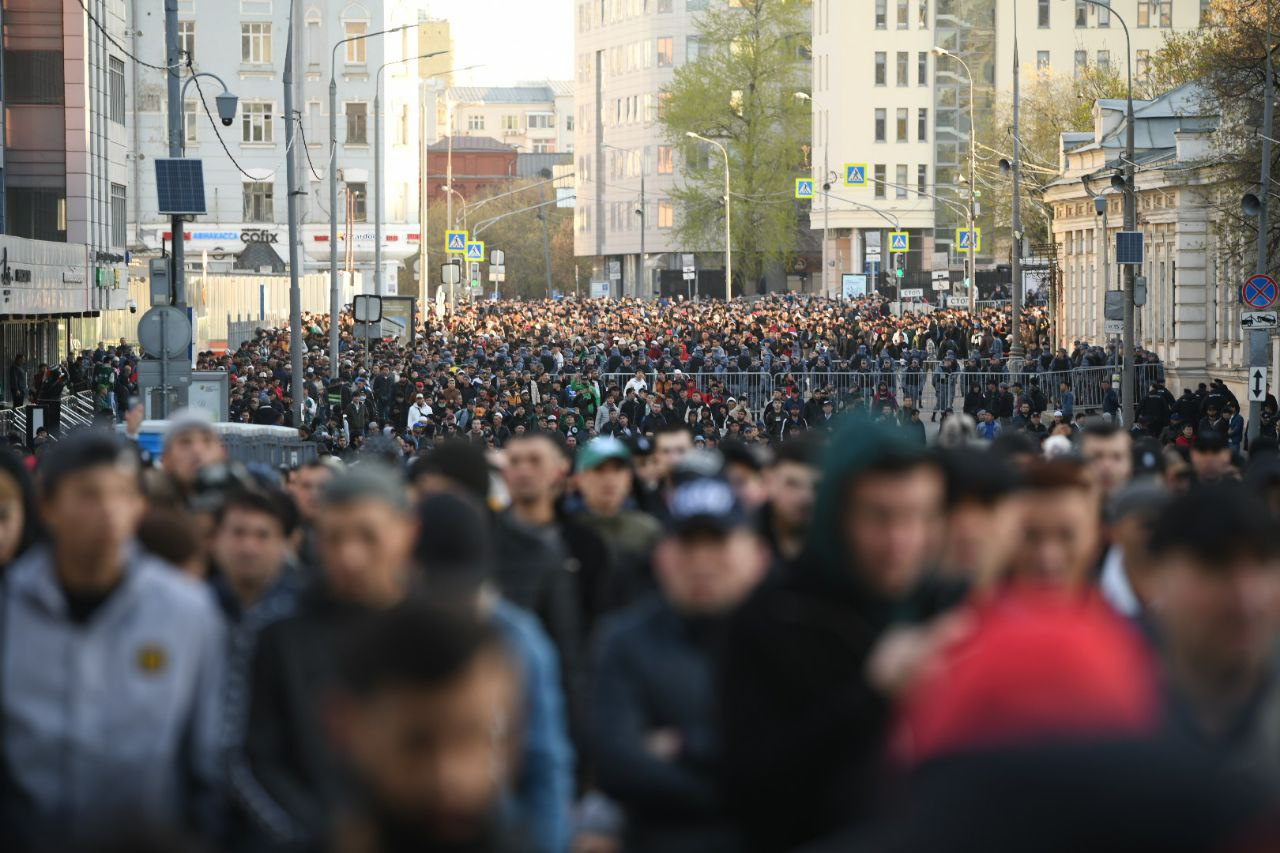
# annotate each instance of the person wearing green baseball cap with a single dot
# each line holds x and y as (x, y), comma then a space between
(604, 481)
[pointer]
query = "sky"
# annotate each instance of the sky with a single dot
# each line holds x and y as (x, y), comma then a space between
(512, 39)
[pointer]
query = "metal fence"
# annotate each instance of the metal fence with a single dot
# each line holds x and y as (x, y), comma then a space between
(929, 388)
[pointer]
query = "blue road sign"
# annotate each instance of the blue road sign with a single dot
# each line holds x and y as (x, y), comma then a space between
(475, 250)
(899, 241)
(455, 241)
(1259, 292)
(804, 187)
(855, 174)
(966, 238)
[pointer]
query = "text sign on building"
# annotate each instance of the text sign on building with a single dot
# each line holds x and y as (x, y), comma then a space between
(899, 241)
(1129, 247)
(455, 241)
(966, 239)
(855, 174)
(1259, 292)
(804, 187)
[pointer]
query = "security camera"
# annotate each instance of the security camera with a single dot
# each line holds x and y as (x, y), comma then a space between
(227, 108)
(133, 306)
(1100, 204)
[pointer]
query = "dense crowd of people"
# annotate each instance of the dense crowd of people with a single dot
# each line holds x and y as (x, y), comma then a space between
(853, 639)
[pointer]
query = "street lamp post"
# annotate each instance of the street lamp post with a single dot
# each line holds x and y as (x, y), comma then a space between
(973, 237)
(641, 274)
(728, 204)
(826, 198)
(335, 293)
(1128, 390)
(377, 164)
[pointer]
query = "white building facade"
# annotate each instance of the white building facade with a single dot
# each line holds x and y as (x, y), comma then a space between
(243, 42)
(1191, 317)
(904, 112)
(536, 118)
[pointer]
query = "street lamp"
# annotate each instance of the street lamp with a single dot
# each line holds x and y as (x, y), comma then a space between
(335, 300)
(1125, 183)
(377, 163)
(973, 241)
(226, 102)
(826, 200)
(728, 250)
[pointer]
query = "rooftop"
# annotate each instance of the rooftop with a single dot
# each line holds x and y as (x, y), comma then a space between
(524, 93)
(471, 143)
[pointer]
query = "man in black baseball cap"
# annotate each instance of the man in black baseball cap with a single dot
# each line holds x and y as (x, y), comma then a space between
(663, 649)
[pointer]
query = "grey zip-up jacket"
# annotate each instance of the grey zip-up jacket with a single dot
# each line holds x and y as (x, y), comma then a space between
(119, 715)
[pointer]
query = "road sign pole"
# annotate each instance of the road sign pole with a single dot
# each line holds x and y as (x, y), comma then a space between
(1259, 339)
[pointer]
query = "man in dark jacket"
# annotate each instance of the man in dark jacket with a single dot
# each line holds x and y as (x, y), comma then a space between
(654, 728)
(286, 778)
(803, 724)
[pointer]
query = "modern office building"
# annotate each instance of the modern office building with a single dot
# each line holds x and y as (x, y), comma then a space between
(243, 42)
(66, 181)
(904, 112)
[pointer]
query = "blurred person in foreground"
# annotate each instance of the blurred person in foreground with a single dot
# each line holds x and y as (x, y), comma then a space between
(425, 720)
(190, 444)
(19, 514)
(1059, 536)
(1107, 451)
(790, 481)
(455, 557)
(982, 516)
(284, 778)
(804, 710)
(654, 731)
(111, 664)
(1215, 601)
(1039, 729)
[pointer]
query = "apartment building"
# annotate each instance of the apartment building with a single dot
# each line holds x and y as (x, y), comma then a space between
(63, 170)
(535, 118)
(904, 112)
(243, 42)
(626, 52)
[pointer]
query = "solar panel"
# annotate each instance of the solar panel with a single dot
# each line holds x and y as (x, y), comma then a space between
(1129, 247)
(180, 186)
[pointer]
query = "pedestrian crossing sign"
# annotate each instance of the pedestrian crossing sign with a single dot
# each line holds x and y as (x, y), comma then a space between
(475, 250)
(855, 174)
(964, 238)
(899, 241)
(455, 241)
(804, 187)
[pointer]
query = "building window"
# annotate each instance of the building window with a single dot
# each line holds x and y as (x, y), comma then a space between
(666, 52)
(903, 64)
(666, 160)
(664, 6)
(256, 122)
(882, 14)
(881, 59)
(922, 15)
(116, 69)
(475, 122)
(359, 194)
(544, 147)
(33, 77)
(255, 43)
(1142, 59)
(1144, 13)
(900, 179)
(1104, 60)
(695, 5)
(922, 68)
(902, 121)
(666, 214)
(542, 121)
(922, 180)
(922, 124)
(692, 48)
(904, 14)
(187, 40)
(878, 180)
(1104, 14)
(258, 201)
(119, 215)
(1166, 14)
(191, 121)
(356, 52)
(1082, 14)
(357, 123)
(1042, 60)
(1042, 14)
(880, 122)
(1082, 62)
(511, 123)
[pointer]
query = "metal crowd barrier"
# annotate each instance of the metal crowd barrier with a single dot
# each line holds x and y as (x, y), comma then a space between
(755, 387)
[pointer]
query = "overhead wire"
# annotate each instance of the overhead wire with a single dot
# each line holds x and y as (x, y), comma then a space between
(100, 28)
(217, 134)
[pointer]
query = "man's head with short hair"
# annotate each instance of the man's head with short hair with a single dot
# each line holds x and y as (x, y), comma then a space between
(365, 532)
(190, 443)
(1107, 451)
